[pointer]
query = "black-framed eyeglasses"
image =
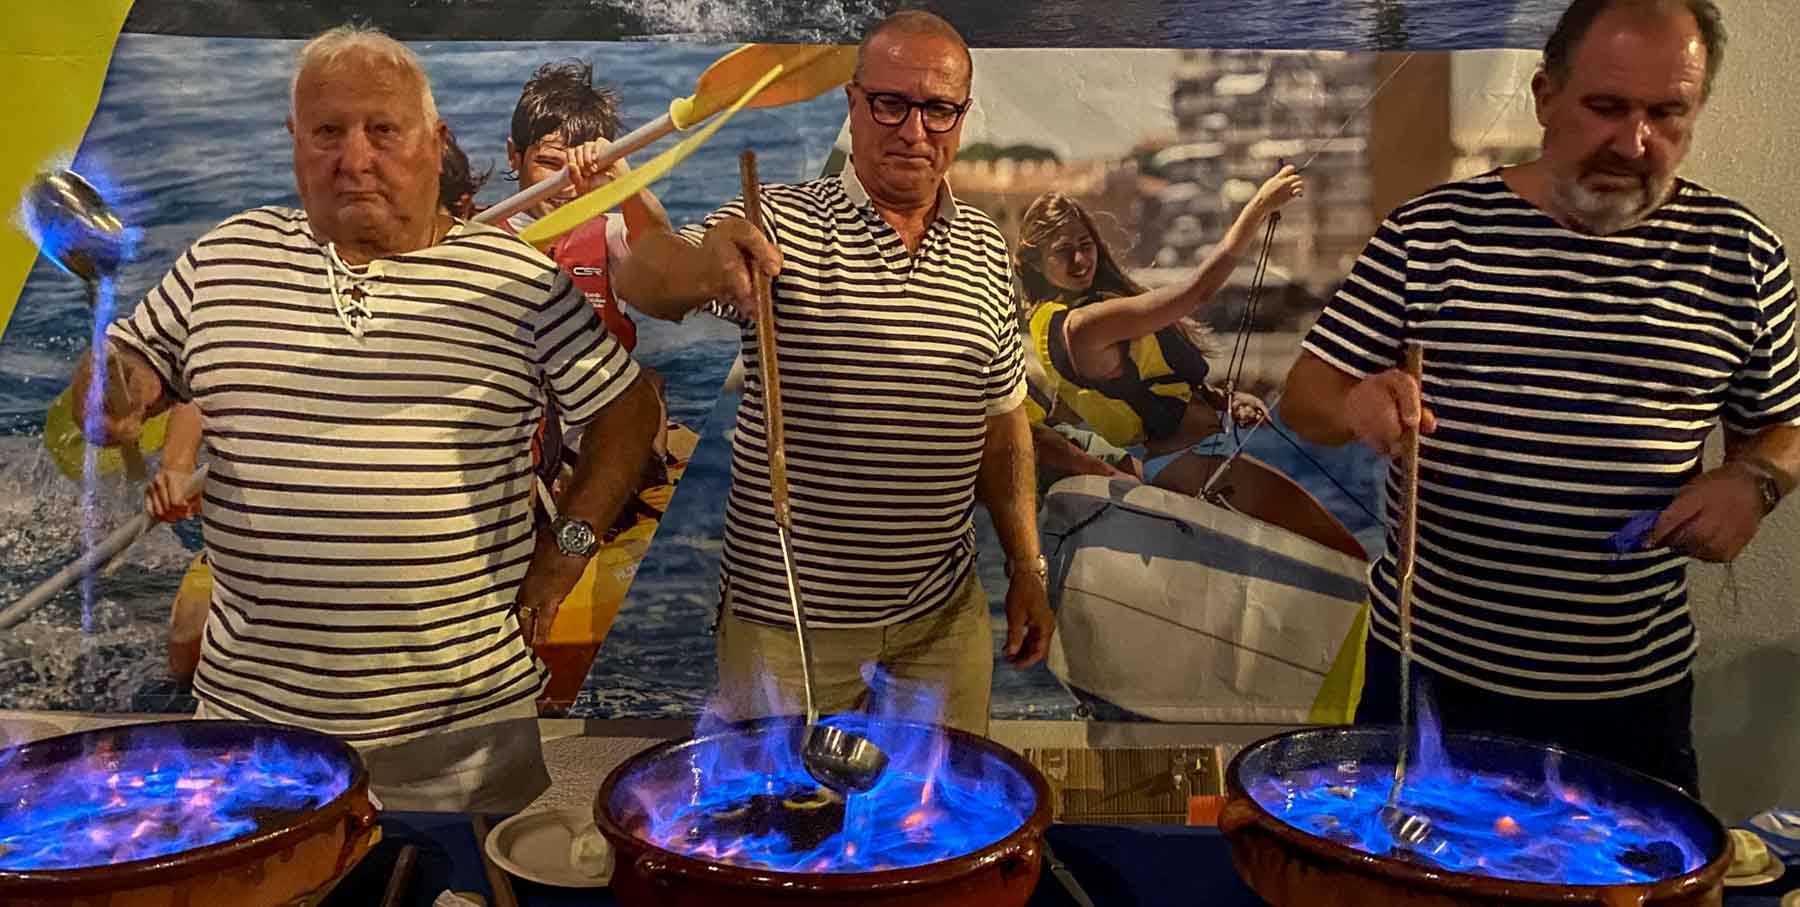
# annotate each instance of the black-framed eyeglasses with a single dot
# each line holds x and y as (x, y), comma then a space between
(891, 109)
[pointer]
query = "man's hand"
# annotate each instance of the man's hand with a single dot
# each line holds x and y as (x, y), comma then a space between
(547, 582)
(1381, 408)
(135, 393)
(1029, 623)
(731, 248)
(161, 495)
(1713, 517)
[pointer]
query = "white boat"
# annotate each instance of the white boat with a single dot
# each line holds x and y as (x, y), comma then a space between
(1175, 608)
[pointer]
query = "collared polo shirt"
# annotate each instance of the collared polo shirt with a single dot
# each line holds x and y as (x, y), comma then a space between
(891, 364)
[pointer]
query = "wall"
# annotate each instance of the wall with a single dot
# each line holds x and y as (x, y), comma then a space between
(1747, 705)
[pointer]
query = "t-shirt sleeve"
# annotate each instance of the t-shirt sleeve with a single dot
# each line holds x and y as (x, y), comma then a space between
(1006, 371)
(584, 367)
(158, 327)
(1765, 391)
(694, 233)
(1362, 328)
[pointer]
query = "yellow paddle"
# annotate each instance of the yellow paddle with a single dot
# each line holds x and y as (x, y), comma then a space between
(67, 446)
(545, 231)
(805, 71)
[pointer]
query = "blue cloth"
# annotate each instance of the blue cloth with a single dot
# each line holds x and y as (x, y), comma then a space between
(1119, 866)
(189, 532)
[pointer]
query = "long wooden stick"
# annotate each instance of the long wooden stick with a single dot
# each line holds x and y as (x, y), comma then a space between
(775, 437)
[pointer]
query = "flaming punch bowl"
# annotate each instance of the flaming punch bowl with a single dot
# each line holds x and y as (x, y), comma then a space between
(1518, 822)
(181, 814)
(732, 818)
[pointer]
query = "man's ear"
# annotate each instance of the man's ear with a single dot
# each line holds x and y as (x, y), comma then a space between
(1543, 91)
(512, 156)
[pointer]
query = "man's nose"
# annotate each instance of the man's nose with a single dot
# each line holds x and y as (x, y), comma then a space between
(357, 152)
(912, 129)
(1630, 138)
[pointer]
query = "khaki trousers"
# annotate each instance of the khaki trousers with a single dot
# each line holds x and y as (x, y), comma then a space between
(497, 767)
(939, 667)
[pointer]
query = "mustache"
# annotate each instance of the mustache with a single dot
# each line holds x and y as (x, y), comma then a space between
(1610, 162)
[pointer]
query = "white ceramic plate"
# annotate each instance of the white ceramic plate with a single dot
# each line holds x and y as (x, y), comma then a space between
(535, 846)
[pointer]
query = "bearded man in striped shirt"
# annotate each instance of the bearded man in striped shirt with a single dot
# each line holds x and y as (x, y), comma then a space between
(902, 388)
(1587, 319)
(370, 372)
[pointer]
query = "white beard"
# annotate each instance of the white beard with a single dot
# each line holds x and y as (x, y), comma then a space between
(1606, 213)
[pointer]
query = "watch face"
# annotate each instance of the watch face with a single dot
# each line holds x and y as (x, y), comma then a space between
(575, 537)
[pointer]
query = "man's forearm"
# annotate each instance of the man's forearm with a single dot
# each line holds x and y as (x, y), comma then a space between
(666, 277)
(125, 413)
(1007, 483)
(614, 449)
(1314, 401)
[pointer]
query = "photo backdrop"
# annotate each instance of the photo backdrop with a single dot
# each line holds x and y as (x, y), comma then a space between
(1161, 141)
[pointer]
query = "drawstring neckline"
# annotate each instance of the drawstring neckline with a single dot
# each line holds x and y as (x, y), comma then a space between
(352, 304)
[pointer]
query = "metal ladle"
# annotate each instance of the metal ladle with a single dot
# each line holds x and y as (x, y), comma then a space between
(1406, 827)
(845, 762)
(72, 224)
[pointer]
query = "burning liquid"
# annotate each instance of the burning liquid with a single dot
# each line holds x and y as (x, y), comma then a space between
(117, 806)
(746, 800)
(740, 794)
(1483, 823)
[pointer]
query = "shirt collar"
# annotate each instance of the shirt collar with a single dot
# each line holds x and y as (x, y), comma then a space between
(853, 187)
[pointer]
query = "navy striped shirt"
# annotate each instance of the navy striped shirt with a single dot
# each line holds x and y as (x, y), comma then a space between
(1575, 379)
(368, 513)
(891, 364)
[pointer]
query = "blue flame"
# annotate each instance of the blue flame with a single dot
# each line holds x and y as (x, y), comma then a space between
(929, 805)
(117, 806)
(1482, 823)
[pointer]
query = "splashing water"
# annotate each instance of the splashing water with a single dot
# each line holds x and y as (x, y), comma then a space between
(744, 797)
(118, 805)
(1484, 823)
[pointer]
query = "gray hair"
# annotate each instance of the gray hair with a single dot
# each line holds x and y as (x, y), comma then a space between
(333, 46)
(1579, 17)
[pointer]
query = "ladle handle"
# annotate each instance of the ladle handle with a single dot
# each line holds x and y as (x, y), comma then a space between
(117, 391)
(774, 439)
(775, 442)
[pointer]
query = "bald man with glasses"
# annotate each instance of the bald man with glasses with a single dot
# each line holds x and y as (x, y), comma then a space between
(903, 387)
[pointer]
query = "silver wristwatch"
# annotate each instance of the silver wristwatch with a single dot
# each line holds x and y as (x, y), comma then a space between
(574, 538)
(1038, 565)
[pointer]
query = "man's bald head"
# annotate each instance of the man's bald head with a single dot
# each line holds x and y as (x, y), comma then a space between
(914, 23)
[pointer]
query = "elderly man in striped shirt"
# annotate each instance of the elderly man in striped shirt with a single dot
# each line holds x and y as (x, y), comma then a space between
(1586, 320)
(902, 386)
(370, 373)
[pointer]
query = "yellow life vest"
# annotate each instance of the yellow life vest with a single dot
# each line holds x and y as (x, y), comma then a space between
(1146, 401)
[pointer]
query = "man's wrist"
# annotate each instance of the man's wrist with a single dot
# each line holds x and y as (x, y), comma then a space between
(1771, 484)
(1031, 565)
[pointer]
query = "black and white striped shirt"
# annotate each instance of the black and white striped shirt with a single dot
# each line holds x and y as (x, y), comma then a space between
(368, 514)
(891, 364)
(1574, 379)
